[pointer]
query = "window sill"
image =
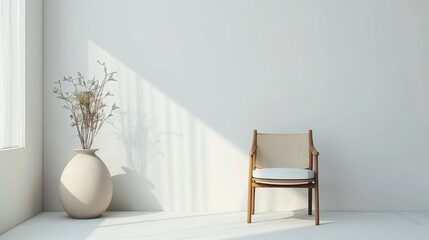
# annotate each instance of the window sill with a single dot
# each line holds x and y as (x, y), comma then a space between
(11, 148)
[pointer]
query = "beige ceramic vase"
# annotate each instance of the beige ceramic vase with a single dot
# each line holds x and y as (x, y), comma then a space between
(86, 185)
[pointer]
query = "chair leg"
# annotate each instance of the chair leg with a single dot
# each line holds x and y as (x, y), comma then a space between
(310, 201)
(249, 203)
(316, 204)
(253, 200)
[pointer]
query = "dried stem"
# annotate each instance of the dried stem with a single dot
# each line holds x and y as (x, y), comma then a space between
(86, 104)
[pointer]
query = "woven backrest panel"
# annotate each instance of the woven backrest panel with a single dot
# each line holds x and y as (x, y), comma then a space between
(282, 150)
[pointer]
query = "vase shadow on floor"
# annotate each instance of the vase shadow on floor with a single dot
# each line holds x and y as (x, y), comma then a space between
(132, 192)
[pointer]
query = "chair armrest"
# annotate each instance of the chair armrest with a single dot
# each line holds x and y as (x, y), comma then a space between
(314, 151)
(252, 150)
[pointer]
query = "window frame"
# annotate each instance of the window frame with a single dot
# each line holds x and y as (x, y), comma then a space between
(16, 21)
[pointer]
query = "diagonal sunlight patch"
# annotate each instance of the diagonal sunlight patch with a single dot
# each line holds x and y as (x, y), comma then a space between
(203, 225)
(162, 157)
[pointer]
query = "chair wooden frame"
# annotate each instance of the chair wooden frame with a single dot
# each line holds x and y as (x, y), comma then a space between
(310, 184)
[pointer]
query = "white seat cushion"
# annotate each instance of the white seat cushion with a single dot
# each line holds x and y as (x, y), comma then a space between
(283, 173)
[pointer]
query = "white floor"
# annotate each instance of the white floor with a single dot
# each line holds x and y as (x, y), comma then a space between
(175, 225)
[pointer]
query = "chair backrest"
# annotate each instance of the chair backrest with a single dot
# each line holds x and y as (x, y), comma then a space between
(282, 150)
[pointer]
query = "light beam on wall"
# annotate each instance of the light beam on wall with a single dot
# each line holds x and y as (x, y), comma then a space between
(162, 157)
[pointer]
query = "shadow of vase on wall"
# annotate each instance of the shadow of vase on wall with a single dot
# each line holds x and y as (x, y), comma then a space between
(132, 192)
(144, 143)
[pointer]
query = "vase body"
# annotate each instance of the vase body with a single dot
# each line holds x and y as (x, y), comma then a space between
(86, 185)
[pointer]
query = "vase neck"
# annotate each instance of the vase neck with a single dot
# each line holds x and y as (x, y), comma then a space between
(86, 151)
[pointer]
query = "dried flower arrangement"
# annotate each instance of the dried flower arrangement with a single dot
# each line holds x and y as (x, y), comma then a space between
(86, 104)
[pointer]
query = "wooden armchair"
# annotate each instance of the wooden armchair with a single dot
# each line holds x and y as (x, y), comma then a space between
(283, 161)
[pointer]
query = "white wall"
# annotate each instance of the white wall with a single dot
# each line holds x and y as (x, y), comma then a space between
(21, 169)
(196, 77)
